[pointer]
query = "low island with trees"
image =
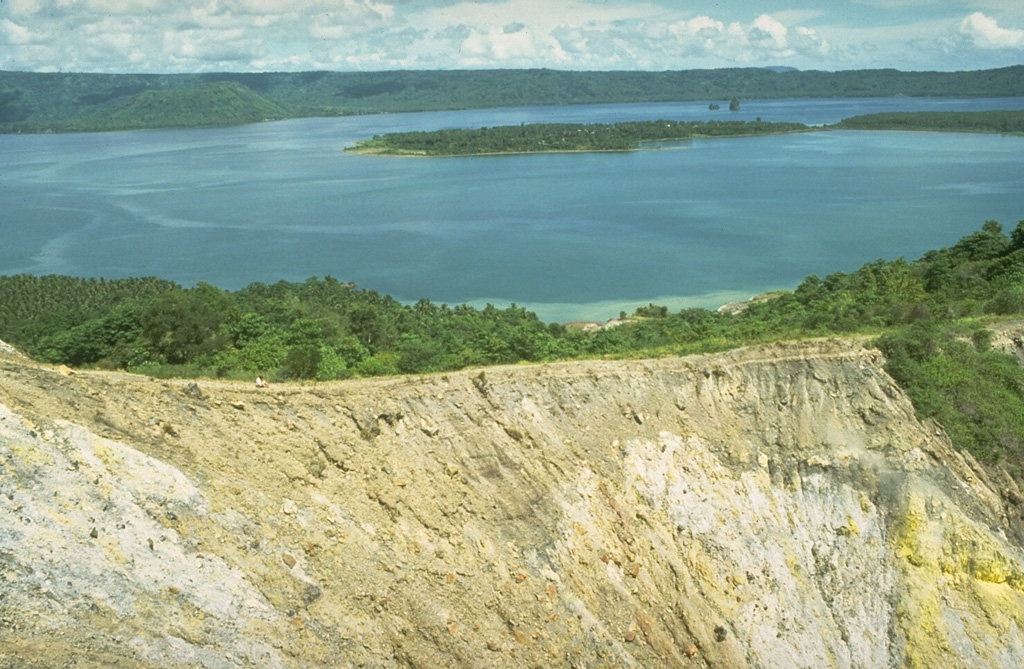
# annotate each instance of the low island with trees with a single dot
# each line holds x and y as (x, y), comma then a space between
(633, 135)
(560, 137)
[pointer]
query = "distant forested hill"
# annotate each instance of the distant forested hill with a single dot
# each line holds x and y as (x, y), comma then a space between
(34, 102)
(211, 104)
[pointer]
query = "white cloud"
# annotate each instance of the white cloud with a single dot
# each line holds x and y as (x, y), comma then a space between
(510, 45)
(766, 39)
(893, 4)
(701, 30)
(22, 7)
(540, 15)
(984, 32)
(16, 33)
(265, 7)
(654, 41)
(810, 42)
(126, 35)
(768, 33)
(217, 46)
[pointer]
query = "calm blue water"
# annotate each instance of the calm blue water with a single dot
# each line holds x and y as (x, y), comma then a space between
(572, 236)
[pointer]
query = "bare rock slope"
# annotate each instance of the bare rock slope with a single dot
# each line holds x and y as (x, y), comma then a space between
(767, 507)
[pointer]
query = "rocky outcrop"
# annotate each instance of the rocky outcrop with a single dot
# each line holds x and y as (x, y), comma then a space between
(774, 506)
(1009, 338)
(7, 349)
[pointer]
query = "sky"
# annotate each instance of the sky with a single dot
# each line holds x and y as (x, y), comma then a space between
(164, 36)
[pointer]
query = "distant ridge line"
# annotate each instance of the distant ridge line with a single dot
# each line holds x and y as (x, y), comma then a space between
(40, 102)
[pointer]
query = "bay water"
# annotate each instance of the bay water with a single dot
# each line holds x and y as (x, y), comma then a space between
(578, 236)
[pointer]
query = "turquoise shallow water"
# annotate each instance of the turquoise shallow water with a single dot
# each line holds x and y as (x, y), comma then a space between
(572, 236)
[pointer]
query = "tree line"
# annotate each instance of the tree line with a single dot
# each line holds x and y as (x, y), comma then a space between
(630, 135)
(541, 137)
(40, 101)
(1001, 121)
(926, 315)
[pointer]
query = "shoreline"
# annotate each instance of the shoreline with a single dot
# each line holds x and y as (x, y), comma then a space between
(385, 153)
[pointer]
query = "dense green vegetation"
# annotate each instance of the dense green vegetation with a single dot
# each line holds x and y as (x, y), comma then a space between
(542, 137)
(547, 137)
(215, 104)
(34, 102)
(976, 393)
(928, 317)
(318, 329)
(983, 121)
